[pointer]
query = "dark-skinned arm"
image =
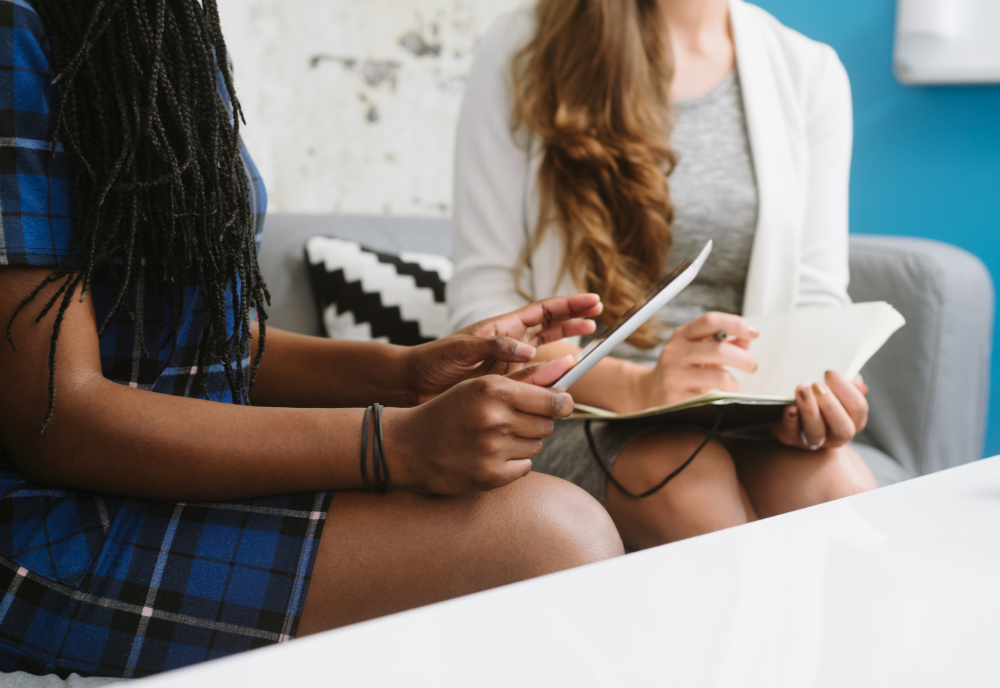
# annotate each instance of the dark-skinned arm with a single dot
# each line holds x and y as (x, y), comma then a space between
(312, 372)
(112, 439)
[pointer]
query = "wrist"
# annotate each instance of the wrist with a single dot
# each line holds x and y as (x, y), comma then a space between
(400, 449)
(403, 362)
(633, 392)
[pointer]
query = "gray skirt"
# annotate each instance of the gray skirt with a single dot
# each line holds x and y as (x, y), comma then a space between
(566, 454)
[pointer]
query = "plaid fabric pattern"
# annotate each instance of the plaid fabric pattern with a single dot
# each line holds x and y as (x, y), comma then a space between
(172, 585)
(108, 586)
(36, 226)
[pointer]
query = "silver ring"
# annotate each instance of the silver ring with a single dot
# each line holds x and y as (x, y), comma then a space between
(809, 445)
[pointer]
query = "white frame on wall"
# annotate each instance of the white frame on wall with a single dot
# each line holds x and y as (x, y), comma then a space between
(947, 42)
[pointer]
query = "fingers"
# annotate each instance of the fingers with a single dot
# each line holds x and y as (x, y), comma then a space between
(813, 426)
(787, 430)
(709, 352)
(544, 374)
(529, 398)
(840, 427)
(859, 382)
(560, 308)
(824, 414)
(542, 314)
(553, 333)
(525, 426)
(540, 401)
(500, 347)
(552, 319)
(710, 324)
(515, 469)
(851, 398)
(702, 380)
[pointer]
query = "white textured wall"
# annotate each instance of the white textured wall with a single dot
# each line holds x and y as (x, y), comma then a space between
(351, 105)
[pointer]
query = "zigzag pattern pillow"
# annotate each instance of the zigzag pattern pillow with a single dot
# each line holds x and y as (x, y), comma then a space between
(365, 295)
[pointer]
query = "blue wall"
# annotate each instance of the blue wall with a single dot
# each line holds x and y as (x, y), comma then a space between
(926, 159)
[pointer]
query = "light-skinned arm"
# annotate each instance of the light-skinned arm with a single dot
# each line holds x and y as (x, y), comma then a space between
(829, 413)
(691, 363)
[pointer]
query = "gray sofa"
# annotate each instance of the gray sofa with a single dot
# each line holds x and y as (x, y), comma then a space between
(928, 384)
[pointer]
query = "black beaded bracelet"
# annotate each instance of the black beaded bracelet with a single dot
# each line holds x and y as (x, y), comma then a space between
(380, 466)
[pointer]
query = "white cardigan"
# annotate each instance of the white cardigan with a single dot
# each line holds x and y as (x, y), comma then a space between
(797, 101)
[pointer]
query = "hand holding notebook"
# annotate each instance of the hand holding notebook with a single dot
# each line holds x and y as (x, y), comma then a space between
(793, 348)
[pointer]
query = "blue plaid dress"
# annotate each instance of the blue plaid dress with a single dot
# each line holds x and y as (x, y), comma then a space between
(121, 587)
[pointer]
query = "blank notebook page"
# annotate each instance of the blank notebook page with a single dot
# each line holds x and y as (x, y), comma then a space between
(799, 347)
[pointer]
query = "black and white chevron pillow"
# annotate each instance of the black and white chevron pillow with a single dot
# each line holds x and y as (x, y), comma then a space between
(365, 295)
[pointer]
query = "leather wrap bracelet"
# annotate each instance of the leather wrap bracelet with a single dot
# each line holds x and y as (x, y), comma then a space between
(380, 479)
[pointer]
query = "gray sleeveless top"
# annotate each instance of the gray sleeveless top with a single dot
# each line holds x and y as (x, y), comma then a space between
(715, 197)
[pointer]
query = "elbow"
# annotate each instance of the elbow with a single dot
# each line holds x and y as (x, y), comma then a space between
(34, 464)
(49, 456)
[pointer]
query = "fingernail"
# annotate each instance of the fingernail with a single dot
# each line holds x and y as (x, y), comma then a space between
(820, 388)
(754, 332)
(804, 393)
(828, 374)
(524, 351)
(793, 411)
(755, 367)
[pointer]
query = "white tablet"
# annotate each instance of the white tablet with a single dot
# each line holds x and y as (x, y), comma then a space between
(655, 299)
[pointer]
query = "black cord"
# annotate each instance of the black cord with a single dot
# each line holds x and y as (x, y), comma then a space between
(380, 466)
(647, 493)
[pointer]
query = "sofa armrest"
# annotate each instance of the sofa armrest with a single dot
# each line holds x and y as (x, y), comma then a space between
(930, 382)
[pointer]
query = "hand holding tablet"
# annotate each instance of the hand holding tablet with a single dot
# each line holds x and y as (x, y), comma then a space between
(655, 299)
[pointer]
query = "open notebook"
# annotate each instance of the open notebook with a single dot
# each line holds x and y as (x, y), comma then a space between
(793, 348)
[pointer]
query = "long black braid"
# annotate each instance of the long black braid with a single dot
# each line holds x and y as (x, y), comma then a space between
(162, 192)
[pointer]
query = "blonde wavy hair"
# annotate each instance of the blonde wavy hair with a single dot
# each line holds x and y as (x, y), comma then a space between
(593, 85)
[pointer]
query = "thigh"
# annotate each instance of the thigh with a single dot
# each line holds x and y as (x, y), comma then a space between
(704, 497)
(381, 554)
(780, 479)
(567, 453)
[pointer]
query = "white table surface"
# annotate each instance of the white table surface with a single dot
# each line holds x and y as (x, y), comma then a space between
(897, 587)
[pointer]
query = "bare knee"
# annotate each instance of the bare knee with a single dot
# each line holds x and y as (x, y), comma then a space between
(558, 525)
(782, 479)
(704, 497)
(841, 473)
(381, 554)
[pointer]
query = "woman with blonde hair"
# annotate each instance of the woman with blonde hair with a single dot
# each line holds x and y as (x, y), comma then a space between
(601, 142)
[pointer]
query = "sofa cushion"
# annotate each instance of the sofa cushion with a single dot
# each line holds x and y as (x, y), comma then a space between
(367, 295)
(929, 387)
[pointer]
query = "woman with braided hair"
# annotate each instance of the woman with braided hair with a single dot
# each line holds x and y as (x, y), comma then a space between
(175, 485)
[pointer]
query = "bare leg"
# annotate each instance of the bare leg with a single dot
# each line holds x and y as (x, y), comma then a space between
(381, 554)
(780, 479)
(704, 497)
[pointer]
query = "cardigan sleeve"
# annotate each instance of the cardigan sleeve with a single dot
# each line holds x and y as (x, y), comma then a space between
(491, 172)
(824, 275)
